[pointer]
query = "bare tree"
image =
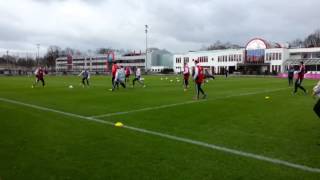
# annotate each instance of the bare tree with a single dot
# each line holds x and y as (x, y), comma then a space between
(220, 45)
(313, 40)
(296, 43)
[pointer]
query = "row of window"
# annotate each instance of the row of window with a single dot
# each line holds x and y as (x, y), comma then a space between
(156, 70)
(203, 59)
(230, 58)
(178, 60)
(131, 61)
(273, 56)
(276, 68)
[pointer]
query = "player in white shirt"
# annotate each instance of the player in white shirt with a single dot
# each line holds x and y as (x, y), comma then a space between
(316, 93)
(138, 78)
(186, 75)
(119, 78)
(85, 77)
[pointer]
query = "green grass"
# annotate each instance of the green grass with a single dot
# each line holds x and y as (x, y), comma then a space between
(37, 144)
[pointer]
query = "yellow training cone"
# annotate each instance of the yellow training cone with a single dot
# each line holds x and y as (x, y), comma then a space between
(267, 97)
(118, 124)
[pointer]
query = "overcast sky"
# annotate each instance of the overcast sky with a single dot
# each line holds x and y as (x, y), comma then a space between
(175, 25)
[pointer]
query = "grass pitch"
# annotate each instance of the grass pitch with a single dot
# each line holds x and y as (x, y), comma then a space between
(39, 144)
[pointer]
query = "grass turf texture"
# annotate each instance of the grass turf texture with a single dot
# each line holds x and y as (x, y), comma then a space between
(36, 144)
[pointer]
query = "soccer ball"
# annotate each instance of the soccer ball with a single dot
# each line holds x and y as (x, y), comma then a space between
(171, 80)
(70, 86)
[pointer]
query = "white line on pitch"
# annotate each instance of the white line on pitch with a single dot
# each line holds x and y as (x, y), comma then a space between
(176, 138)
(182, 103)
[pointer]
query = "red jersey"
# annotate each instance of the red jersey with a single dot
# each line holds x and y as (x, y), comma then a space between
(39, 73)
(127, 71)
(200, 77)
(301, 72)
(114, 70)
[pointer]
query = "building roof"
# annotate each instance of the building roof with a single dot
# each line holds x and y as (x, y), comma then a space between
(312, 61)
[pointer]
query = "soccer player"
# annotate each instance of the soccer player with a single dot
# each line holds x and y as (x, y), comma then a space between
(226, 72)
(113, 72)
(290, 75)
(128, 72)
(198, 78)
(186, 75)
(85, 77)
(298, 83)
(208, 75)
(316, 92)
(138, 78)
(119, 78)
(40, 72)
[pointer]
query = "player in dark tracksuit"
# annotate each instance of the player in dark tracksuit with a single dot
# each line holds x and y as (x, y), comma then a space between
(186, 74)
(290, 75)
(298, 83)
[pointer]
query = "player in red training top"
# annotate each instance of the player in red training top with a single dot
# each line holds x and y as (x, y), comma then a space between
(128, 72)
(298, 83)
(40, 72)
(199, 78)
(114, 72)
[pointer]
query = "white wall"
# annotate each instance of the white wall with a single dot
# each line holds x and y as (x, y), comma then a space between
(212, 58)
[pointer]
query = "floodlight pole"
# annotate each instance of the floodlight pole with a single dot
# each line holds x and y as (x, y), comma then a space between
(38, 47)
(146, 31)
(7, 59)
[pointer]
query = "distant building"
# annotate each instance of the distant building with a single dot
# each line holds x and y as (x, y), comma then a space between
(258, 57)
(157, 60)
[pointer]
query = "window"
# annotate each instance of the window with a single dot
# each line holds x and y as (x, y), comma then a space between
(186, 59)
(316, 55)
(178, 60)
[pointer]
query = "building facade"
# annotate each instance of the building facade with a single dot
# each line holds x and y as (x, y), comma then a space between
(258, 57)
(155, 61)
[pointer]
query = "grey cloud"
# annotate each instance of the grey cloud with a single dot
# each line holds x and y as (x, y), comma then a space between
(178, 25)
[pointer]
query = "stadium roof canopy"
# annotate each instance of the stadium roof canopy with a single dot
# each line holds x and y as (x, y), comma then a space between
(313, 61)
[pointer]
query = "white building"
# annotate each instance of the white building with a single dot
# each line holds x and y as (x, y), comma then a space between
(157, 60)
(258, 57)
(217, 61)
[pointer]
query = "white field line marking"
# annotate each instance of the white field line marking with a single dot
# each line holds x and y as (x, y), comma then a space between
(176, 138)
(183, 103)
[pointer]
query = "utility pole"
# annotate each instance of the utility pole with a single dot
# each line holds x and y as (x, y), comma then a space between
(146, 31)
(38, 47)
(7, 59)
